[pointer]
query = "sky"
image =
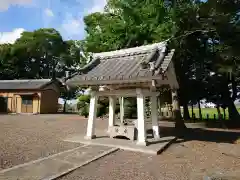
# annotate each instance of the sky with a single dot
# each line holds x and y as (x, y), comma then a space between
(66, 16)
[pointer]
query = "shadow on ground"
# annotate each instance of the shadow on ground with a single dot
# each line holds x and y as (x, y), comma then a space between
(210, 135)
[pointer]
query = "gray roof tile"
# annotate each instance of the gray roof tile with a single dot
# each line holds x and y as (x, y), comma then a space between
(125, 64)
(30, 84)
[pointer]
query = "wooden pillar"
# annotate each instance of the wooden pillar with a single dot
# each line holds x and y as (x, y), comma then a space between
(38, 107)
(154, 116)
(112, 107)
(141, 119)
(121, 103)
(92, 117)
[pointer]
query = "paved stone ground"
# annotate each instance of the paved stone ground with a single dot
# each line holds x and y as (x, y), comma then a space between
(56, 165)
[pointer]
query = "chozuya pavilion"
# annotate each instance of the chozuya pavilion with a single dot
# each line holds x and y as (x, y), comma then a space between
(135, 72)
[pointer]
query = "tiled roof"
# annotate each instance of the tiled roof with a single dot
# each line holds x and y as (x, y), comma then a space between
(23, 84)
(137, 64)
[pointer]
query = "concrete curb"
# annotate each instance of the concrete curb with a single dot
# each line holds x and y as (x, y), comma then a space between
(82, 164)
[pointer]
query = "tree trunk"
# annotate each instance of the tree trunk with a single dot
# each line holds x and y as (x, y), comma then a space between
(192, 110)
(234, 88)
(224, 113)
(64, 106)
(219, 112)
(232, 111)
(179, 123)
(186, 115)
(199, 110)
(230, 97)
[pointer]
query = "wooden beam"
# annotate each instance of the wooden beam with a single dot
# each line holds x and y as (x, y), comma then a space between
(126, 93)
(153, 85)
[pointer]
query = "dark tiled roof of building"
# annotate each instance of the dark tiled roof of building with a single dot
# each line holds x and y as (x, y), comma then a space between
(30, 84)
(137, 64)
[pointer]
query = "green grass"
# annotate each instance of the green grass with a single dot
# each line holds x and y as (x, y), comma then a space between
(209, 111)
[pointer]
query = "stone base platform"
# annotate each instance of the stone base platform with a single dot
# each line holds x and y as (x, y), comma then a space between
(154, 147)
(126, 131)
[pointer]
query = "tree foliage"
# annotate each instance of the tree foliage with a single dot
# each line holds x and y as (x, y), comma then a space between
(205, 35)
(39, 54)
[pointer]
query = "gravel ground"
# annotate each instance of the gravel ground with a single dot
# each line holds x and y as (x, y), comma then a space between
(25, 138)
(184, 160)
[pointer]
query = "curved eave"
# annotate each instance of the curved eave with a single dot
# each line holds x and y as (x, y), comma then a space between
(77, 83)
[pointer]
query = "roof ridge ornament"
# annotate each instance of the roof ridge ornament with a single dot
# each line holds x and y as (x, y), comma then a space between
(131, 51)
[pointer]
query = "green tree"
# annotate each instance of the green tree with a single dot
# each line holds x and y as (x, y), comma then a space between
(44, 54)
(41, 54)
(41, 49)
(223, 17)
(128, 23)
(69, 94)
(8, 64)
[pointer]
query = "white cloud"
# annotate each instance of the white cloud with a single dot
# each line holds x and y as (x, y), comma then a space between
(48, 12)
(71, 26)
(10, 37)
(98, 6)
(4, 4)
